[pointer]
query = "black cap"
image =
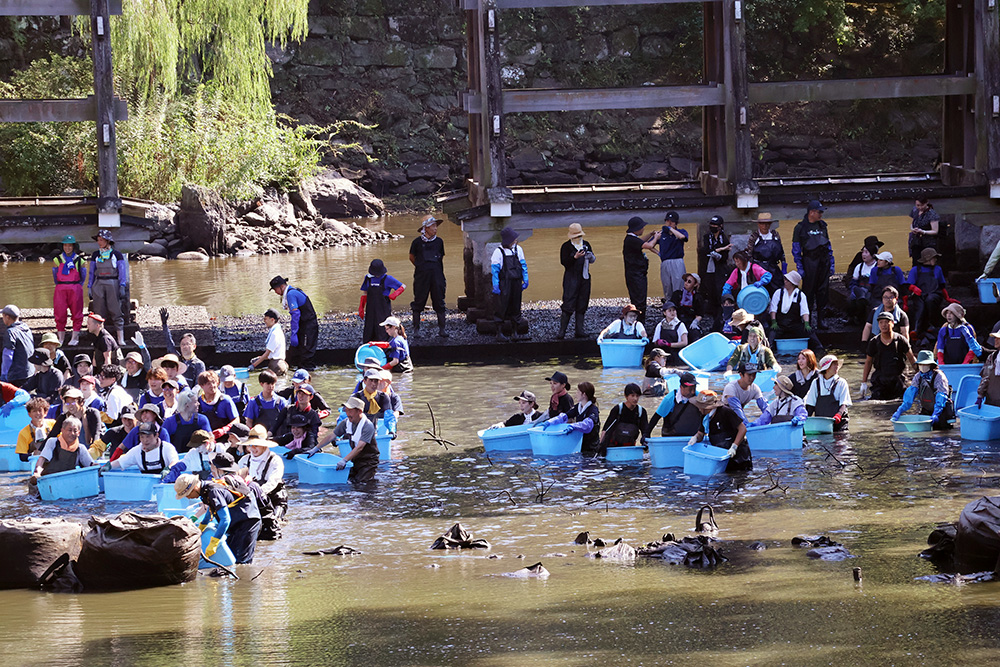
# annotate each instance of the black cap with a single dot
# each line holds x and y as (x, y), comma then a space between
(636, 223)
(149, 428)
(80, 358)
(671, 216)
(298, 420)
(278, 280)
(716, 220)
(224, 461)
(815, 205)
(688, 380)
(747, 368)
(40, 358)
(241, 431)
(559, 376)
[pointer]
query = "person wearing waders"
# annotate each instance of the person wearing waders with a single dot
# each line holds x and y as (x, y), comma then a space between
(885, 362)
(69, 274)
(930, 390)
(510, 279)
(304, 324)
(378, 405)
(671, 250)
(108, 282)
(265, 407)
(956, 340)
(813, 256)
(266, 469)
(680, 416)
(627, 422)
(790, 314)
(884, 275)
(584, 417)
(927, 293)
(62, 451)
(829, 395)
(724, 429)
(765, 248)
(989, 384)
(636, 263)
(361, 433)
(231, 504)
(715, 247)
(378, 291)
(153, 456)
(427, 258)
(576, 256)
(786, 406)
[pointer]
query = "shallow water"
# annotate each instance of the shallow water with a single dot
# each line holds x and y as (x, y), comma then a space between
(399, 603)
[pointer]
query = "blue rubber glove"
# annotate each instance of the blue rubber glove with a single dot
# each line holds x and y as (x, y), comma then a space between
(312, 452)
(798, 421)
(561, 418)
(897, 414)
(294, 340)
(524, 285)
(979, 402)
(727, 289)
(121, 292)
(757, 284)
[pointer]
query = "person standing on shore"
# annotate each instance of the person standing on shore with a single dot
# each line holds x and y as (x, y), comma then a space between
(305, 324)
(108, 284)
(765, 248)
(813, 255)
(378, 291)
(427, 258)
(671, 244)
(576, 256)
(69, 274)
(510, 278)
(637, 264)
(716, 247)
(106, 349)
(924, 229)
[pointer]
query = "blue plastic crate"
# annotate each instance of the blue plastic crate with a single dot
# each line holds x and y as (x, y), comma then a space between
(321, 469)
(704, 460)
(982, 423)
(988, 288)
(558, 440)
(818, 425)
(667, 452)
(625, 454)
(166, 498)
(366, 351)
(754, 300)
(775, 437)
(70, 484)
(912, 424)
(790, 345)
(622, 352)
(291, 465)
(708, 353)
(129, 487)
(11, 462)
(967, 392)
(11, 425)
(506, 439)
(955, 372)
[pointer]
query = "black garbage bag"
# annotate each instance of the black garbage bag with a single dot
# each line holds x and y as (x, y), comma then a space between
(131, 551)
(977, 540)
(459, 538)
(342, 550)
(30, 547)
(941, 543)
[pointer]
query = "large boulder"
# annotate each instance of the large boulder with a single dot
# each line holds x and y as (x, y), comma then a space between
(336, 197)
(29, 547)
(202, 219)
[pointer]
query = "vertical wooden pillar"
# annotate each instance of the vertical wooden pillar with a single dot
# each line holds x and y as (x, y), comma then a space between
(958, 140)
(738, 106)
(713, 128)
(987, 38)
(499, 195)
(109, 202)
(473, 48)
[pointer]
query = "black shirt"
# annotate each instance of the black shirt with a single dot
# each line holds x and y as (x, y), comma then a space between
(427, 254)
(635, 258)
(518, 419)
(888, 360)
(316, 402)
(105, 343)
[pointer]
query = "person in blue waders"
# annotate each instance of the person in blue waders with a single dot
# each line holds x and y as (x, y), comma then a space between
(304, 323)
(378, 291)
(930, 388)
(813, 254)
(510, 279)
(230, 503)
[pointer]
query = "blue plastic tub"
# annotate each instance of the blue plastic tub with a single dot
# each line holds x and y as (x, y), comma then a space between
(11, 462)
(129, 487)
(982, 423)
(912, 424)
(775, 437)
(667, 452)
(384, 447)
(704, 460)
(166, 498)
(507, 439)
(11, 425)
(764, 379)
(366, 351)
(291, 465)
(321, 469)
(624, 454)
(955, 372)
(790, 345)
(967, 392)
(242, 373)
(988, 289)
(70, 484)
(754, 300)
(223, 555)
(622, 352)
(559, 440)
(818, 425)
(708, 353)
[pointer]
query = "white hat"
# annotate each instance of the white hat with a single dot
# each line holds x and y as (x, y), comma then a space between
(390, 321)
(885, 255)
(827, 361)
(794, 278)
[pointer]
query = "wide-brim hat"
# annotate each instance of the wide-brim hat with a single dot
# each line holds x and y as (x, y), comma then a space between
(150, 407)
(576, 231)
(428, 221)
(104, 234)
(40, 358)
(765, 217)
(184, 483)
(827, 361)
(377, 268)
(707, 400)
(170, 358)
(278, 281)
(927, 254)
(955, 309)
(926, 357)
(354, 403)
(794, 278)
(740, 317)
(785, 383)
(629, 309)
(873, 244)
(50, 338)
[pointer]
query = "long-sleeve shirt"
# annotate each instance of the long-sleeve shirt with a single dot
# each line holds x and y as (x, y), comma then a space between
(195, 366)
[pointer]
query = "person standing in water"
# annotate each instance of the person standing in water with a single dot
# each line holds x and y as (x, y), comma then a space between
(813, 255)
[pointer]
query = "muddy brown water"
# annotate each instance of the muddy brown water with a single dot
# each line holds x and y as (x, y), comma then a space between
(332, 277)
(399, 603)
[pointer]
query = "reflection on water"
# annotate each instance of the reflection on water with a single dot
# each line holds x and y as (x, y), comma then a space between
(332, 276)
(399, 603)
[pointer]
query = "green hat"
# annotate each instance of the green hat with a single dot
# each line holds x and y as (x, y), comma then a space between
(926, 357)
(69, 238)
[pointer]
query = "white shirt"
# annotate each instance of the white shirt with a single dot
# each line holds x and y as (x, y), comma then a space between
(195, 461)
(863, 270)
(115, 401)
(618, 327)
(835, 385)
(133, 458)
(782, 301)
(275, 342)
(497, 257)
(275, 471)
(677, 326)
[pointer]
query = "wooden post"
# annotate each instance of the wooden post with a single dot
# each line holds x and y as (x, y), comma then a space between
(499, 195)
(987, 38)
(713, 134)
(109, 203)
(738, 107)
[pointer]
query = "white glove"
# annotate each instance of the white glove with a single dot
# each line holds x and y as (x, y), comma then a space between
(138, 339)
(693, 440)
(864, 389)
(982, 277)
(732, 451)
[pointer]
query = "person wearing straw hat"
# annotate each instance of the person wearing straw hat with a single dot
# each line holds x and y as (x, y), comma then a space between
(885, 362)
(636, 262)
(60, 361)
(18, 344)
(736, 326)
(107, 283)
(231, 504)
(360, 432)
(671, 243)
(930, 389)
(724, 429)
(266, 469)
(786, 406)
(174, 368)
(813, 254)
(69, 274)
(576, 255)
(765, 248)
(989, 384)
(829, 395)
(928, 290)
(378, 291)
(956, 340)
(427, 258)
(790, 314)
(46, 380)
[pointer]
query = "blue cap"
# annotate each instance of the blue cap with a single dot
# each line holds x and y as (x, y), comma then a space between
(815, 205)
(301, 375)
(69, 238)
(308, 388)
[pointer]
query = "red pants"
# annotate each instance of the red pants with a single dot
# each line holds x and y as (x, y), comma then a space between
(68, 297)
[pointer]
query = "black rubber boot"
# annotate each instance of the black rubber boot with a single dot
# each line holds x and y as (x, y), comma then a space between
(416, 323)
(563, 324)
(580, 333)
(441, 332)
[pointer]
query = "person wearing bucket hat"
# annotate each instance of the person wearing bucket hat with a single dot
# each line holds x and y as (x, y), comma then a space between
(724, 429)
(626, 327)
(929, 388)
(765, 249)
(885, 274)
(294, 441)
(747, 273)
(928, 290)
(742, 391)
(715, 246)
(829, 395)
(69, 274)
(304, 329)
(813, 254)
(680, 415)
(737, 324)
(46, 380)
(636, 262)
(427, 258)
(885, 362)
(378, 291)
(107, 283)
(754, 352)
(174, 369)
(18, 344)
(671, 250)
(786, 406)
(360, 433)
(50, 343)
(231, 505)
(924, 229)
(956, 340)
(153, 456)
(576, 255)
(510, 278)
(790, 314)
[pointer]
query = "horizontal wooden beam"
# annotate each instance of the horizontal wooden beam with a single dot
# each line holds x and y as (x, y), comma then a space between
(53, 7)
(646, 97)
(858, 89)
(56, 111)
(538, 4)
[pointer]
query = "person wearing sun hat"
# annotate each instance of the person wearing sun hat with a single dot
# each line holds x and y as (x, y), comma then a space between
(378, 291)
(576, 255)
(231, 504)
(427, 258)
(724, 429)
(69, 275)
(786, 406)
(265, 469)
(956, 340)
(829, 395)
(930, 388)
(636, 262)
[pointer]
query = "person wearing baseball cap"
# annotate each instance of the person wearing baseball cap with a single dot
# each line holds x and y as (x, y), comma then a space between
(634, 250)
(786, 406)
(304, 323)
(233, 388)
(397, 352)
(528, 412)
(576, 255)
(671, 251)
(152, 456)
(741, 391)
(107, 284)
(670, 333)
(715, 246)
(679, 415)
(427, 258)
(930, 389)
(813, 254)
(377, 403)
(318, 403)
(69, 274)
(829, 395)
(106, 349)
(560, 402)
(654, 381)
(364, 454)
(198, 459)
